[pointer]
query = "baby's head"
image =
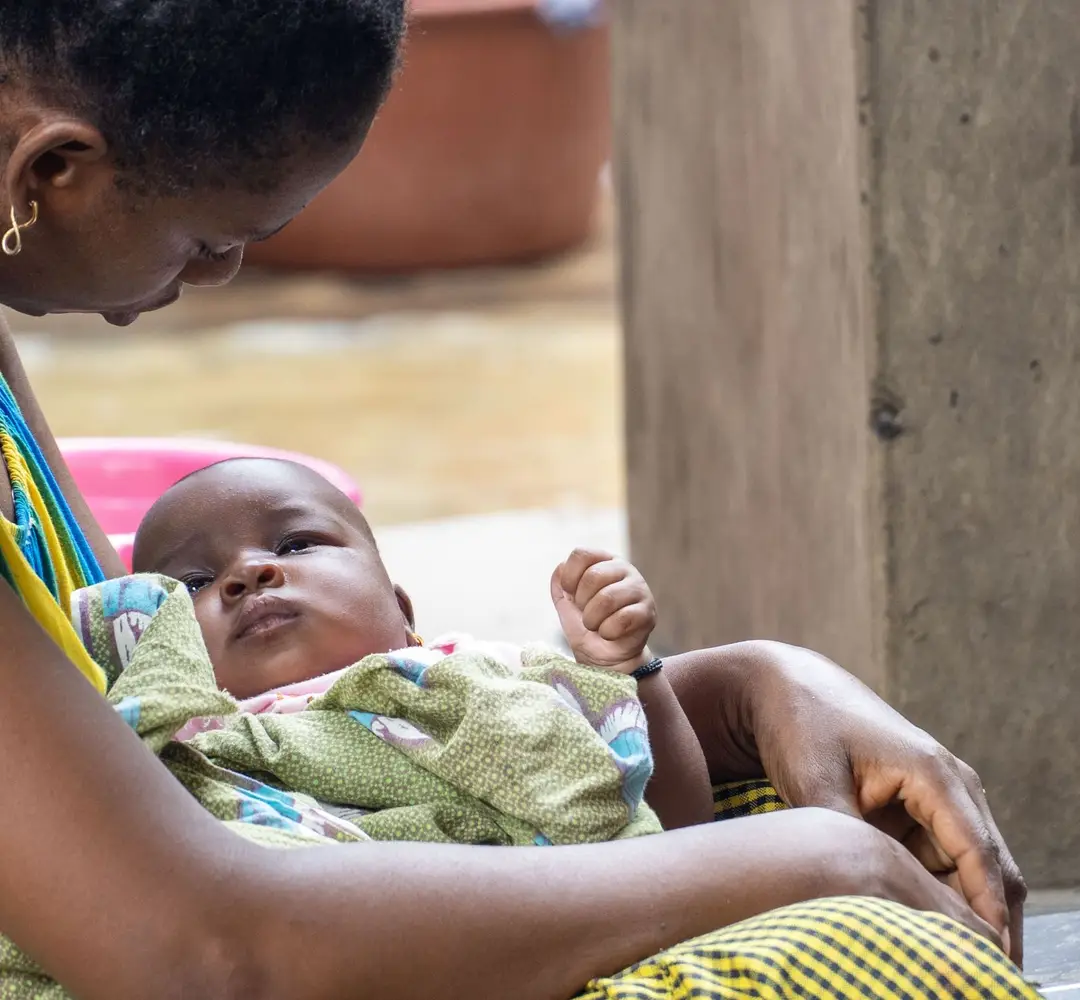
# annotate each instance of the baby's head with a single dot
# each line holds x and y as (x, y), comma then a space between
(283, 569)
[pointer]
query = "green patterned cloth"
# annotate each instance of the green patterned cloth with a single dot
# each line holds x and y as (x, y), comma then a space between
(403, 746)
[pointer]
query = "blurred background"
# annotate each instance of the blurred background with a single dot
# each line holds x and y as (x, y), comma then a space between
(440, 323)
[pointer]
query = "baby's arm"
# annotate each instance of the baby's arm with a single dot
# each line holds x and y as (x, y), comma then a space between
(608, 613)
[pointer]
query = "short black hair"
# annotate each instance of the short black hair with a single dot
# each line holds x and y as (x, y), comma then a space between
(218, 92)
(344, 505)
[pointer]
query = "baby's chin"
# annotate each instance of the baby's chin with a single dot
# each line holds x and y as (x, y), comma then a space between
(243, 683)
(280, 665)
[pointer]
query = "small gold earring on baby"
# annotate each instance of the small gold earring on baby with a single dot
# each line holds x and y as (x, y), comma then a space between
(415, 640)
(12, 241)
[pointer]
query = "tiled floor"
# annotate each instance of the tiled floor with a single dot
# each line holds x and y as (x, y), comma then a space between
(1052, 943)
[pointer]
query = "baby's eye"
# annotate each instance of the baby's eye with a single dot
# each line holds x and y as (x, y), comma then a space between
(196, 583)
(294, 545)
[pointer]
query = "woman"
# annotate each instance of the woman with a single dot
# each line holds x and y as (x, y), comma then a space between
(145, 142)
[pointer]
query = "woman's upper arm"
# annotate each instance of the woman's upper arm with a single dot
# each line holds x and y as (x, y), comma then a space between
(15, 374)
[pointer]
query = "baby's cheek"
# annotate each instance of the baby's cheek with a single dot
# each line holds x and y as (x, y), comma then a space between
(213, 637)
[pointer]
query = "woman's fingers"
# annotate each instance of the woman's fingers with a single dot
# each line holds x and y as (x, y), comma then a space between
(935, 795)
(928, 807)
(923, 845)
(1015, 887)
(927, 851)
(927, 784)
(909, 883)
(949, 901)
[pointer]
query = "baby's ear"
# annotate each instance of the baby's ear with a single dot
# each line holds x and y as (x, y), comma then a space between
(405, 603)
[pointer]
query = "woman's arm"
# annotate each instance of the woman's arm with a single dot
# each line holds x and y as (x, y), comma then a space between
(13, 371)
(120, 884)
(824, 739)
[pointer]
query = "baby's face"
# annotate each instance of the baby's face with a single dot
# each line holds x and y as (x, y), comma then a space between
(286, 580)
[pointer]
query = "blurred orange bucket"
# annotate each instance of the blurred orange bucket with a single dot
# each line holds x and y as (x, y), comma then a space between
(488, 150)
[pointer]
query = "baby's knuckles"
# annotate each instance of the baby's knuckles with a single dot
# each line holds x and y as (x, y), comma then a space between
(628, 622)
(600, 575)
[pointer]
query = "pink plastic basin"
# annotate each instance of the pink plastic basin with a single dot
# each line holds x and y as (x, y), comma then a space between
(122, 477)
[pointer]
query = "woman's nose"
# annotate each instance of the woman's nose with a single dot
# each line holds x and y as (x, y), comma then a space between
(210, 272)
(251, 577)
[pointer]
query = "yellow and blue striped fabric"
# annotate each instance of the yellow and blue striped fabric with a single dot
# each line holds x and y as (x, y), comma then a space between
(44, 555)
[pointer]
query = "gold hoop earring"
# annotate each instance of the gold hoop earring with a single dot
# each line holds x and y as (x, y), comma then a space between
(12, 241)
(415, 639)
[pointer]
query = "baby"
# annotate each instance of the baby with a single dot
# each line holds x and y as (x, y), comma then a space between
(289, 588)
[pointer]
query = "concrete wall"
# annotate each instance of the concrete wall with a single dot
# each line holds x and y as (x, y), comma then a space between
(850, 272)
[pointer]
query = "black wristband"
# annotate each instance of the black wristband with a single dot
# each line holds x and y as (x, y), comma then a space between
(647, 669)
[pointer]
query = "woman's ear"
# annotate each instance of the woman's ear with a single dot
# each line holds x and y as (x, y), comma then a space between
(58, 153)
(405, 603)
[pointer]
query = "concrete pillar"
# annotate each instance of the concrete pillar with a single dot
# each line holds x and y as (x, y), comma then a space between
(850, 262)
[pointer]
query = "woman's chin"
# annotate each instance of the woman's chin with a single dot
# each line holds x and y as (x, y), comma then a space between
(127, 316)
(120, 318)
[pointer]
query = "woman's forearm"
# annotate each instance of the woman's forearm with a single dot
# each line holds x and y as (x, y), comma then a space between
(441, 922)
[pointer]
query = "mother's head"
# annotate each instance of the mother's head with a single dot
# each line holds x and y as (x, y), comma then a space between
(157, 137)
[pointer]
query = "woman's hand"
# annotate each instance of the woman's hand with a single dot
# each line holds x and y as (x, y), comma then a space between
(852, 858)
(824, 739)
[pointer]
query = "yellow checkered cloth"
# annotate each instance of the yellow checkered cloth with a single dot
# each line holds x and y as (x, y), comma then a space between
(745, 798)
(829, 948)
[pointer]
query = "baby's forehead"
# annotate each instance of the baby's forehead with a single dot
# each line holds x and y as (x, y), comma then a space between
(242, 483)
(239, 479)
(235, 495)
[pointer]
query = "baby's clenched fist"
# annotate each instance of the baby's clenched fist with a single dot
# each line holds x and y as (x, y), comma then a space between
(606, 610)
